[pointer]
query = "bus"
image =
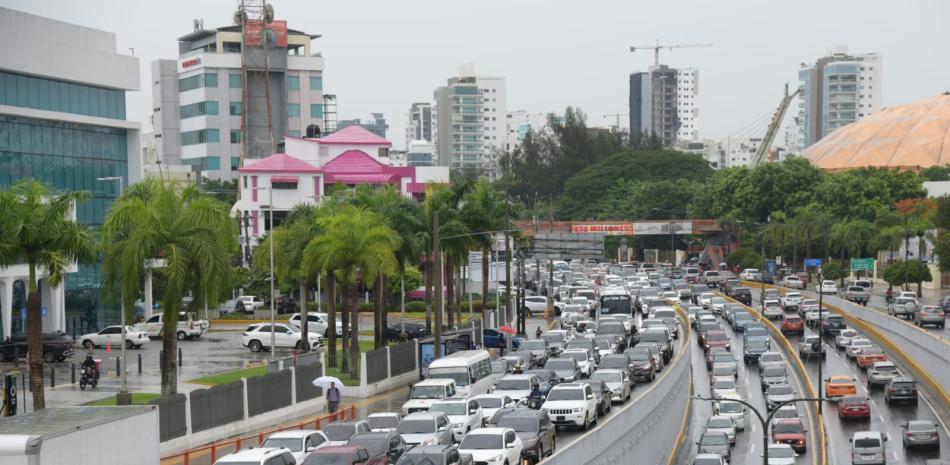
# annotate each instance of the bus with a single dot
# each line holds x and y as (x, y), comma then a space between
(616, 301)
(470, 369)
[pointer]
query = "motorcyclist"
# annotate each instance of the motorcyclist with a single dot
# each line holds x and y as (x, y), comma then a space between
(890, 294)
(535, 397)
(537, 332)
(89, 367)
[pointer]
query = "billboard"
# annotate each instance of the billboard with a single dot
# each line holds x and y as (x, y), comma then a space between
(618, 229)
(278, 31)
(654, 228)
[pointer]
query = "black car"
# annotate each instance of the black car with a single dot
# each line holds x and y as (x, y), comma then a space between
(833, 325)
(742, 294)
(767, 278)
(57, 346)
(435, 455)
(413, 331)
(900, 389)
(388, 444)
(535, 429)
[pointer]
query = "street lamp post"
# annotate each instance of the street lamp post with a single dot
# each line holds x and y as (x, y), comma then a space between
(763, 420)
(123, 397)
(821, 330)
(273, 298)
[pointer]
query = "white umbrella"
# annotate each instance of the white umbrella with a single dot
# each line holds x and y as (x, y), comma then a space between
(324, 382)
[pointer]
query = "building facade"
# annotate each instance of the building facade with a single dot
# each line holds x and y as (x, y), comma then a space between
(420, 123)
(519, 123)
(663, 102)
(470, 114)
(376, 124)
(63, 122)
(216, 101)
(836, 90)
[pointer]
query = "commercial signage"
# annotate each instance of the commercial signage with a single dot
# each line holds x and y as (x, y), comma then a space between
(277, 33)
(812, 262)
(862, 264)
(618, 229)
(195, 61)
(654, 228)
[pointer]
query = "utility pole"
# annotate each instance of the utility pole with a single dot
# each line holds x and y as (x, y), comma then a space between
(821, 330)
(439, 295)
(550, 288)
(508, 303)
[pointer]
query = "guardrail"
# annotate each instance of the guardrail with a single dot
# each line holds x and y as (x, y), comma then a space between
(649, 430)
(817, 421)
(208, 454)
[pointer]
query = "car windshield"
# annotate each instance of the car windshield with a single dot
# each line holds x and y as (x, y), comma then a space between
(513, 384)
(809, 302)
(863, 443)
(376, 444)
(534, 344)
(770, 357)
(723, 370)
(757, 344)
(427, 392)
(711, 336)
(579, 356)
(713, 440)
(773, 371)
(449, 408)
(730, 407)
(327, 458)
(654, 336)
(719, 423)
(416, 427)
(521, 425)
(788, 427)
(781, 452)
(881, 368)
(339, 432)
(566, 394)
(707, 461)
(459, 375)
(291, 444)
(489, 402)
(921, 426)
(780, 390)
(559, 365)
(903, 385)
(481, 441)
(608, 377)
(639, 356)
(553, 337)
(383, 421)
(724, 384)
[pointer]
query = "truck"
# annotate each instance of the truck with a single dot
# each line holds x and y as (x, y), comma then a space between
(857, 294)
(82, 436)
(188, 327)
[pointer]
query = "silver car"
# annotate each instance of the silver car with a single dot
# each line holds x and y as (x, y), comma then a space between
(723, 424)
(930, 315)
(715, 442)
(920, 433)
(881, 373)
(867, 448)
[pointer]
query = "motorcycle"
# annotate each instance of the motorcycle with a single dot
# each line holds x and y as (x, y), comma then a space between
(89, 378)
(532, 402)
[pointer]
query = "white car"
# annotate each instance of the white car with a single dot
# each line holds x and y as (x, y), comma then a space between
(493, 446)
(315, 324)
(705, 298)
(843, 339)
(793, 282)
(491, 403)
(857, 345)
(735, 411)
(248, 303)
(724, 387)
(299, 442)
(536, 304)
(750, 274)
(782, 454)
(464, 413)
(585, 360)
(571, 404)
(785, 412)
(383, 422)
(257, 337)
(791, 301)
(723, 424)
(426, 392)
(258, 456)
(827, 287)
(709, 459)
(112, 336)
(516, 387)
(425, 428)
(773, 310)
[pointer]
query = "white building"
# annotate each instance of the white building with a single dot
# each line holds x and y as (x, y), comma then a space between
(203, 99)
(470, 121)
(836, 90)
(521, 122)
(420, 153)
(687, 111)
(663, 101)
(62, 95)
(420, 124)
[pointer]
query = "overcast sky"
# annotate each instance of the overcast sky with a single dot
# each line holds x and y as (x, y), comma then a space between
(382, 55)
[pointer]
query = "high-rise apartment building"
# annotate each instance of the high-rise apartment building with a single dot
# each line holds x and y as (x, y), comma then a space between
(420, 123)
(63, 122)
(216, 101)
(376, 124)
(470, 114)
(836, 90)
(520, 123)
(663, 102)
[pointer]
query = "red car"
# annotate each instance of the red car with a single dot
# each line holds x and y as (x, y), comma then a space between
(791, 432)
(869, 356)
(793, 324)
(344, 455)
(854, 407)
(716, 338)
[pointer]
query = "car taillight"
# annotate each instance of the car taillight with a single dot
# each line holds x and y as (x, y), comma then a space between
(909, 434)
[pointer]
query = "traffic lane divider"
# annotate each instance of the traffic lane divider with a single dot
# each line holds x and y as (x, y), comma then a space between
(818, 422)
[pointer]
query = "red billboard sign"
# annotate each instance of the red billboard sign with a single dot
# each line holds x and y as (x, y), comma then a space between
(254, 30)
(618, 229)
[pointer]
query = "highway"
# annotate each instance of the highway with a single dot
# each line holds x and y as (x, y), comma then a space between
(887, 419)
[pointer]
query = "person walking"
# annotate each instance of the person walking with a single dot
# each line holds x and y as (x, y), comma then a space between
(333, 398)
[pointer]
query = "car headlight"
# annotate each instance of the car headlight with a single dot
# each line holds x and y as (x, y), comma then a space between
(458, 425)
(497, 458)
(428, 442)
(578, 409)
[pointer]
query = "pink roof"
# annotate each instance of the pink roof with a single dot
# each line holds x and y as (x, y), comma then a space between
(280, 163)
(354, 135)
(356, 167)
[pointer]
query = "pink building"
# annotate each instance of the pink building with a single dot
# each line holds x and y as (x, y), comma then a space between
(304, 174)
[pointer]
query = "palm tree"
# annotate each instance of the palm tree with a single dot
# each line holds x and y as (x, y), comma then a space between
(355, 242)
(193, 233)
(780, 232)
(482, 213)
(35, 228)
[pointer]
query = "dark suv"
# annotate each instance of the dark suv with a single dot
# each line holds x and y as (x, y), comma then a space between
(833, 325)
(435, 455)
(536, 431)
(57, 347)
(742, 294)
(900, 389)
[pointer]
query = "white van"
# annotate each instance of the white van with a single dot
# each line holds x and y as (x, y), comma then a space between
(470, 369)
(424, 393)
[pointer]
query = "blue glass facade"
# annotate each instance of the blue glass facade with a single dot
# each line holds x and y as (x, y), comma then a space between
(67, 156)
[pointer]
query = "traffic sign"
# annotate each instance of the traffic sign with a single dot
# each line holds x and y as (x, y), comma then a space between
(862, 264)
(812, 262)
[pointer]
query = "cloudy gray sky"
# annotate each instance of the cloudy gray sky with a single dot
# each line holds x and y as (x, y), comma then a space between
(382, 55)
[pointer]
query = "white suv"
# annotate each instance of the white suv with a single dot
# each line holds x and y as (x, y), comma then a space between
(315, 323)
(493, 446)
(465, 414)
(260, 456)
(571, 404)
(585, 360)
(257, 337)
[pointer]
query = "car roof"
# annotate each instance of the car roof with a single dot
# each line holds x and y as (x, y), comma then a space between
(251, 455)
(521, 376)
(429, 449)
(427, 415)
(491, 430)
(868, 435)
(844, 378)
(296, 433)
(435, 382)
(569, 386)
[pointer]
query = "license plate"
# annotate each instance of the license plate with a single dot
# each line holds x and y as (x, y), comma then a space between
(864, 456)
(560, 418)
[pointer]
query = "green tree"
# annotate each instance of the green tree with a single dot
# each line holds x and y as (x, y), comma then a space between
(833, 271)
(223, 190)
(483, 211)
(194, 235)
(935, 173)
(913, 270)
(745, 257)
(36, 229)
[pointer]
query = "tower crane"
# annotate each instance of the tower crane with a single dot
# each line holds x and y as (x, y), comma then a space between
(772, 130)
(617, 118)
(669, 46)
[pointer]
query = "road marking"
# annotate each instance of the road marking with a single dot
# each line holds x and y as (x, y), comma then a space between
(939, 419)
(751, 447)
(881, 417)
(872, 402)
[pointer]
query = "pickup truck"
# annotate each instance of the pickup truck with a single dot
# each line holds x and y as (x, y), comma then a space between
(711, 278)
(857, 294)
(188, 328)
(903, 307)
(793, 282)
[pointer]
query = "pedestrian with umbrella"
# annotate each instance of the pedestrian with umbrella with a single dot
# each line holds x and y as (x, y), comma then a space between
(329, 385)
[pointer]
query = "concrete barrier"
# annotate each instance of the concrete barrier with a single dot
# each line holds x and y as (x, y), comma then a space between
(651, 429)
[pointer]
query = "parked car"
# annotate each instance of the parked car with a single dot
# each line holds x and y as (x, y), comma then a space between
(536, 430)
(315, 323)
(413, 331)
(187, 328)
(248, 303)
(57, 347)
(920, 434)
(257, 337)
(300, 443)
(112, 335)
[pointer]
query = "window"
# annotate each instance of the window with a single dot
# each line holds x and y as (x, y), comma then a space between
(199, 109)
(293, 133)
(234, 81)
(202, 136)
(197, 81)
(316, 110)
(236, 108)
(235, 136)
(293, 110)
(284, 184)
(232, 47)
(48, 94)
(293, 82)
(316, 83)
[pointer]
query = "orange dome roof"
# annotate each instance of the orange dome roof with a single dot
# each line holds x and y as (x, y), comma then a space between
(909, 137)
